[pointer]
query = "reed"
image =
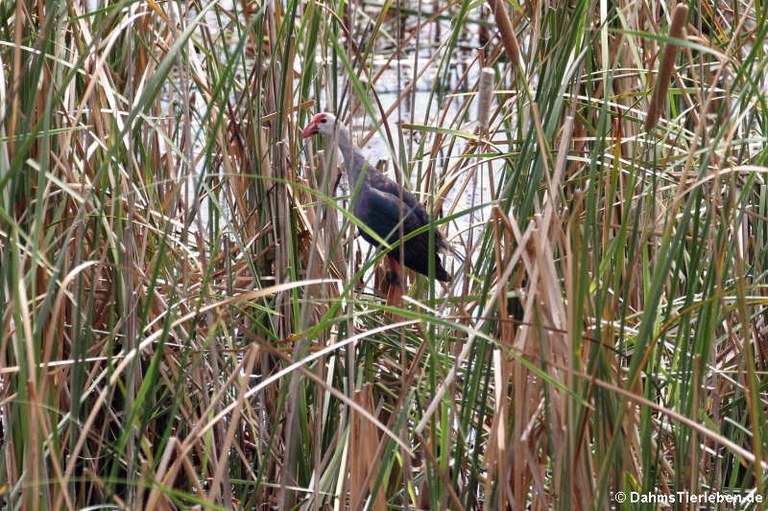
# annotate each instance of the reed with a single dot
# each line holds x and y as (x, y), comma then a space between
(188, 321)
(666, 66)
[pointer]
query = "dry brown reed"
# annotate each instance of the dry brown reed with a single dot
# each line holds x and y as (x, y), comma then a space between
(666, 66)
(507, 32)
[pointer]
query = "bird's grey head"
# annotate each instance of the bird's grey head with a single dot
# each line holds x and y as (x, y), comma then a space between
(323, 123)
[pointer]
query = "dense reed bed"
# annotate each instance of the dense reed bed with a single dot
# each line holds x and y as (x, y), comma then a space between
(186, 320)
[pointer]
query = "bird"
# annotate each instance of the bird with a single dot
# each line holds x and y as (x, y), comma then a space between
(380, 204)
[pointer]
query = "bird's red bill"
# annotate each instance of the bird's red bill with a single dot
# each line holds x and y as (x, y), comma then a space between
(311, 128)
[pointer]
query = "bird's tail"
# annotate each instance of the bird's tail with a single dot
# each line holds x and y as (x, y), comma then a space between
(451, 250)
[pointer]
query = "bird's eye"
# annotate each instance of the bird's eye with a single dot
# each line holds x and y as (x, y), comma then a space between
(323, 120)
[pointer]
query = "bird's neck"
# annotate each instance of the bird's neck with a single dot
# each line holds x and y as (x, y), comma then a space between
(354, 160)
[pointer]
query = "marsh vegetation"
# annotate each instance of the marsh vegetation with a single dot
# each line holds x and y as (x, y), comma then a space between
(187, 320)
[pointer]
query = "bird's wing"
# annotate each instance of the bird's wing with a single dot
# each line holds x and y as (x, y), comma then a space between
(381, 211)
(386, 186)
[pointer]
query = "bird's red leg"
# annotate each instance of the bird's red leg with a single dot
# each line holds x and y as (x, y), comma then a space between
(395, 288)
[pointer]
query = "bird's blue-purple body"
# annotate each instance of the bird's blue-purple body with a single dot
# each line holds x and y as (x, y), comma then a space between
(383, 205)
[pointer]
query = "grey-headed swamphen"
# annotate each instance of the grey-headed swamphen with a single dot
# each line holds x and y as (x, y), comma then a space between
(381, 204)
